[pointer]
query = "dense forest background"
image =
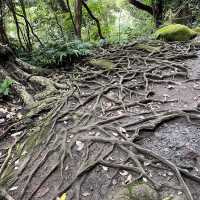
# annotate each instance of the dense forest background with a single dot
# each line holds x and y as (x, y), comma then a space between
(98, 97)
(52, 31)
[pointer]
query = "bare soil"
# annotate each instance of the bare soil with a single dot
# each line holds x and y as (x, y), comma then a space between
(137, 122)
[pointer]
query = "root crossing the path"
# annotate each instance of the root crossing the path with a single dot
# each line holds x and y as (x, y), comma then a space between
(83, 133)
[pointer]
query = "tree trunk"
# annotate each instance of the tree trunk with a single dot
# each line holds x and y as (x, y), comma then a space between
(95, 19)
(78, 18)
(158, 12)
(155, 10)
(3, 35)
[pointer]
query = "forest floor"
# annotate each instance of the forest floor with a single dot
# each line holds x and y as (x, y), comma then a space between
(126, 126)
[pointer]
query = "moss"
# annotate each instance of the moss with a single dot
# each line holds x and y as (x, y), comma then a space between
(147, 48)
(102, 63)
(197, 30)
(175, 32)
(138, 191)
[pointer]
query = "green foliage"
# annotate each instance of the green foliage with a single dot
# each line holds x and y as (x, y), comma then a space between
(5, 87)
(58, 52)
(175, 32)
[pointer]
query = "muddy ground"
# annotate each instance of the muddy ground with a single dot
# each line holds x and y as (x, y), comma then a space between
(134, 122)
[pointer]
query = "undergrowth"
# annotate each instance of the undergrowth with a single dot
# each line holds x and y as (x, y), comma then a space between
(56, 53)
(5, 87)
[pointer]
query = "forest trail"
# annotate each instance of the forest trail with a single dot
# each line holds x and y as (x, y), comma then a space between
(130, 115)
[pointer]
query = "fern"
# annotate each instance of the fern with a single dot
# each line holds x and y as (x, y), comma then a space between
(58, 52)
(5, 87)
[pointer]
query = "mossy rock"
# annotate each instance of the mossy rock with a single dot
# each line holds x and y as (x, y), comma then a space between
(175, 32)
(102, 63)
(197, 30)
(135, 192)
(148, 48)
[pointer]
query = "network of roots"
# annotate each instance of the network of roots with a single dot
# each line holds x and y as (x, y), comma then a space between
(84, 136)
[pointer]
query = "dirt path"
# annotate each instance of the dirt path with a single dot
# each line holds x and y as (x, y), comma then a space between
(128, 117)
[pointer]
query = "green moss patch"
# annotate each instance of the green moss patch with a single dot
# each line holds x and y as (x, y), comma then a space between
(197, 30)
(175, 32)
(102, 63)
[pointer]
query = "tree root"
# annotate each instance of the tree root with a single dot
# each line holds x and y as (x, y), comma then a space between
(93, 123)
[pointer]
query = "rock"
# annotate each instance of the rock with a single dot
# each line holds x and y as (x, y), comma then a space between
(175, 32)
(102, 63)
(135, 192)
(197, 30)
(148, 48)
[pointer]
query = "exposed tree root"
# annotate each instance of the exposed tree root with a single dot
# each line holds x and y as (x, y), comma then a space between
(91, 123)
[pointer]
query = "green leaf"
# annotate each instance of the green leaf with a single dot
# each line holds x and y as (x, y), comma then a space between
(5, 87)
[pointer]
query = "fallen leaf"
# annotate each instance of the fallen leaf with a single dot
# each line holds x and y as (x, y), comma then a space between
(16, 134)
(122, 130)
(115, 134)
(170, 87)
(79, 145)
(145, 179)
(85, 194)
(129, 179)
(63, 197)
(123, 173)
(105, 168)
(13, 188)
(19, 115)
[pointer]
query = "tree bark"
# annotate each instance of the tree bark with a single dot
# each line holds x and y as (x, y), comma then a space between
(3, 35)
(95, 19)
(142, 6)
(78, 18)
(71, 16)
(158, 12)
(155, 10)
